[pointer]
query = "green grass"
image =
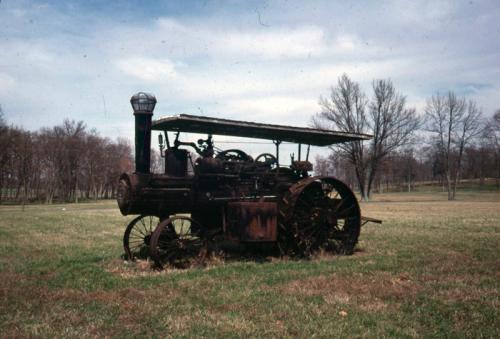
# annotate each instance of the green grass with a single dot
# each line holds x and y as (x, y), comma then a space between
(431, 270)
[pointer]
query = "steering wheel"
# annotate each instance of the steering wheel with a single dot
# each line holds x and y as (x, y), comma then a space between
(267, 158)
(233, 155)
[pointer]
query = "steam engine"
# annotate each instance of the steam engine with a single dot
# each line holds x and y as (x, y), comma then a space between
(229, 194)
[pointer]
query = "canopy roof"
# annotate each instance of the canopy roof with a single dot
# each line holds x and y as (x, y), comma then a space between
(216, 126)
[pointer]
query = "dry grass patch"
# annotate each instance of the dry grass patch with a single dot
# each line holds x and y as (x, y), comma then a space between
(146, 267)
(371, 292)
(402, 211)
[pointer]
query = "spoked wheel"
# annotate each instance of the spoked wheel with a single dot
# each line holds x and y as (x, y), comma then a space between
(179, 241)
(137, 235)
(267, 159)
(319, 213)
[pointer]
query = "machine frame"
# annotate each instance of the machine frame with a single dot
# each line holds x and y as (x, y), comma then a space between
(210, 200)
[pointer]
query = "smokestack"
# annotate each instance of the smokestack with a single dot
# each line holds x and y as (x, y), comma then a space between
(143, 105)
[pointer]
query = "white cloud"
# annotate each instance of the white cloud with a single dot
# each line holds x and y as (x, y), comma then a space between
(281, 43)
(347, 43)
(272, 109)
(269, 43)
(147, 68)
(7, 82)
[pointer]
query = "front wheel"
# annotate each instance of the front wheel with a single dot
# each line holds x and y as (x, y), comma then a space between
(179, 241)
(137, 236)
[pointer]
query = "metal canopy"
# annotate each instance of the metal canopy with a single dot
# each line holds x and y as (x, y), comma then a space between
(216, 126)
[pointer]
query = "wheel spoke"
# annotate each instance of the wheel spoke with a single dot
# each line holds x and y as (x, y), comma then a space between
(141, 231)
(138, 233)
(150, 224)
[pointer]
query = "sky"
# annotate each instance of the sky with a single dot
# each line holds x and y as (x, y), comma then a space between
(263, 61)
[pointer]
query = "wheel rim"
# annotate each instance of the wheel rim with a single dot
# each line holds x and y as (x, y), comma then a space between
(137, 237)
(180, 242)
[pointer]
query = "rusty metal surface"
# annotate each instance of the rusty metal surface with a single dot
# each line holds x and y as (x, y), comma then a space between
(216, 126)
(252, 221)
(154, 194)
(366, 220)
(302, 166)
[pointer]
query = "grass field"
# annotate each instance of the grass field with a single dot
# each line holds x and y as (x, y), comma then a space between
(431, 270)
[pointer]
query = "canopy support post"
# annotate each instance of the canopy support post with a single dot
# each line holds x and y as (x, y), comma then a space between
(166, 139)
(277, 143)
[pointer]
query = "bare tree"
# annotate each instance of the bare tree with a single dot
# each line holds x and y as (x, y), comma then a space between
(454, 123)
(63, 163)
(408, 167)
(157, 162)
(321, 166)
(492, 136)
(24, 163)
(385, 116)
(4, 152)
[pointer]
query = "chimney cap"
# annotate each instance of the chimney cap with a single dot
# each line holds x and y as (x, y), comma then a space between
(143, 103)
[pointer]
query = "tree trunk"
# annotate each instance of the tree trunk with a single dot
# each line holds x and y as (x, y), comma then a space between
(449, 186)
(498, 176)
(361, 183)
(369, 179)
(76, 191)
(365, 197)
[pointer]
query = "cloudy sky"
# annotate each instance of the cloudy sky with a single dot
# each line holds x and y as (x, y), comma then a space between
(266, 61)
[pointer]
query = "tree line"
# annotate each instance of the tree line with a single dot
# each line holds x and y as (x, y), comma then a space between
(448, 142)
(64, 163)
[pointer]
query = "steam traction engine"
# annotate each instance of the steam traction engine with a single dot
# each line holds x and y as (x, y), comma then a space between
(209, 198)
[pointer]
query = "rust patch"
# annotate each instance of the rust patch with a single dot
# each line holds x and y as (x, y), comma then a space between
(253, 221)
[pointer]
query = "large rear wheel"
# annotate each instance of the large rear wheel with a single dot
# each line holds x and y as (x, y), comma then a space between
(319, 213)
